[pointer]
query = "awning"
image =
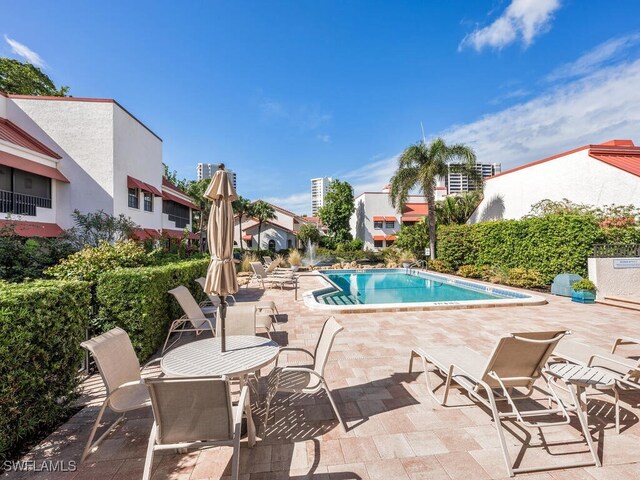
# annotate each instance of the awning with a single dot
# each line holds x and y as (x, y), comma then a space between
(379, 237)
(389, 219)
(174, 198)
(20, 163)
(378, 219)
(247, 237)
(194, 236)
(390, 237)
(411, 218)
(139, 234)
(145, 187)
(33, 229)
(172, 233)
(152, 233)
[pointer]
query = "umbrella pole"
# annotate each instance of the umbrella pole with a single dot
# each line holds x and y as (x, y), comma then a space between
(223, 316)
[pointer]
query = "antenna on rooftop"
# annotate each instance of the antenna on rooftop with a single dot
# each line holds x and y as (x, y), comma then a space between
(424, 140)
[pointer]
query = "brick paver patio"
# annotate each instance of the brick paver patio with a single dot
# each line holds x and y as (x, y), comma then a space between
(395, 431)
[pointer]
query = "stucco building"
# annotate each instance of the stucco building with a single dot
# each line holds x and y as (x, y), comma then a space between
(277, 234)
(599, 175)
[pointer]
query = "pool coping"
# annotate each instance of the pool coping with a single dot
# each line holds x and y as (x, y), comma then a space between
(519, 298)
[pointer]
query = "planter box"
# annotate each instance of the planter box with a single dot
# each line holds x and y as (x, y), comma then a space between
(583, 296)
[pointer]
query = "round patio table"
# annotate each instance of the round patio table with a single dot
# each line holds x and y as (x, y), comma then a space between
(204, 358)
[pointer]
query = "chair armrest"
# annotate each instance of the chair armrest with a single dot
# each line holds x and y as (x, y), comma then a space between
(237, 420)
(624, 341)
(612, 360)
(125, 385)
(302, 369)
(150, 362)
(293, 349)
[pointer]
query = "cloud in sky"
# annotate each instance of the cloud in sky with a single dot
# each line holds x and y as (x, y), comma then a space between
(299, 203)
(324, 138)
(522, 19)
(302, 117)
(25, 52)
(606, 53)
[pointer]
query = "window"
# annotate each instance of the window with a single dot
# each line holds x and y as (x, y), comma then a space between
(249, 243)
(179, 214)
(133, 198)
(377, 224)
(272, 245)
(377, 243)
(390, 224)
(289, 244)
(148, 201)
(21, 192)
(390, 242)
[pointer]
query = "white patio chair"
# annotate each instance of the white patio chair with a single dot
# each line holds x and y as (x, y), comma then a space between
(243, 319)
(120, 371)
(263, 278)
(214, 300)
(306, 380)
(194, 413)
(194, 319)
(267, 260)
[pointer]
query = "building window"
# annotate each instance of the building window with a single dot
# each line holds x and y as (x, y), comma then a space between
(148, 201)
(22, 192)
(249, 243)
(377, 243)
(133, 198)
(289, 244)
(272, 245)
(390, 224)
(177, 213)
(390, 242)
(377, 224)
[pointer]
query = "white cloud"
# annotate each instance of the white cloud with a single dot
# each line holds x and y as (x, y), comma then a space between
(324, 138)
(605, 53)
(25, 52)
(303, 117)
(373, 176)
(299, 203)
(524, 19)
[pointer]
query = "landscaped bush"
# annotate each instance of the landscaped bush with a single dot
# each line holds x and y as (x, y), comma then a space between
(524, 278)
(41, 326)
(136, 300)
(483, 272)
(439, 266)
(550, 245)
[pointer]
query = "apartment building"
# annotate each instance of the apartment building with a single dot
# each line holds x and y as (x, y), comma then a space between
(319, 187)
(281, 233)
(456, 182)
(206, 170)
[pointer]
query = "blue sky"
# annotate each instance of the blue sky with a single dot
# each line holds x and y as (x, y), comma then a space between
(286, 91)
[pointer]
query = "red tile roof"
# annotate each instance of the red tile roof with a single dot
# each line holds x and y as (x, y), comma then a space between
(33, 229)
(10, 132)
(415, 209)
(20, 163)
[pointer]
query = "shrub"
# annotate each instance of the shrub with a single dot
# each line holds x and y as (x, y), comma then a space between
(294, 259)
(475, 271)
(584, 284)
(41, 326)
(524, 278)
(136, 300)
(245, 264)
(90, 262)
(439, 266)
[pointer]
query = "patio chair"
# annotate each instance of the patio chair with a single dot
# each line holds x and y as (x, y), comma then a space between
(305, 379)
(214, 300)
(120, 371)
(194, 413)
(625, 371)
(263, 278)
(267, 260)
(515, 363)
(194, 319)
(243, 319)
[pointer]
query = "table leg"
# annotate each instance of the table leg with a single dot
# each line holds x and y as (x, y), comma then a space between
(251, 427)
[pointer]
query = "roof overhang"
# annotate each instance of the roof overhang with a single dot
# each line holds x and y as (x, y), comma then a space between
(14, 161)
(33, 229)
(146, 187)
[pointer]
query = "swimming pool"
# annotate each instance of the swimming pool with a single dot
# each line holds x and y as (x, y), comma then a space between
(407, 289)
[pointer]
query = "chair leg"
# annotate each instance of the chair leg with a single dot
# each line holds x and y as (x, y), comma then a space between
(582, 418)
(617, 407)
(333, 404)
(235, 459)
(148, 461)
(503, 441)
(89, 446)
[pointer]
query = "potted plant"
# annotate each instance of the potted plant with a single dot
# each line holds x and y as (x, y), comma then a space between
(406, 258)
(295, 260)
(583, 291)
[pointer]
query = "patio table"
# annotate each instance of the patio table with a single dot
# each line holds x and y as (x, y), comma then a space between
(245, 354)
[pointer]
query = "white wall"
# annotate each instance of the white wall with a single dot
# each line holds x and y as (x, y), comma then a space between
(137, 153)
(578, 177)
(611, 281)
(82, 132)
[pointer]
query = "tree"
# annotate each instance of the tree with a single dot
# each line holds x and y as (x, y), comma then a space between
(413, 238)
(26, 79)
(94, 228)
(308, 232)
(241, 207)
(195, 189)
(338, 207)
(262, 212)
(420, 165)
(456, 210)
(172, 176)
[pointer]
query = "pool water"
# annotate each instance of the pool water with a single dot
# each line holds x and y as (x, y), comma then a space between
(395, 287)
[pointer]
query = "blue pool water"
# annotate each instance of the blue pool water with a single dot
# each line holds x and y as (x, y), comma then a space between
(393, 286)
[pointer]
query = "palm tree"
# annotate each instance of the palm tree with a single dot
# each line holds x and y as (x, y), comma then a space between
(262, 212)
(457, 209)
(241, 207)
(420, 165)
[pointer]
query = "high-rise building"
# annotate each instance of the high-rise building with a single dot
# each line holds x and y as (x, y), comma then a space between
(206, 170)
(319, 188)
(459, 182)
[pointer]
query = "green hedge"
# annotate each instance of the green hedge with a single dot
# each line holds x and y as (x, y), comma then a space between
(41, 326)
(136, 300)
(551, 244)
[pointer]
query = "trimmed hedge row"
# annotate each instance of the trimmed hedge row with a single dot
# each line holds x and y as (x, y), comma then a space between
(551, 244)
(41, 326)
(136, 300)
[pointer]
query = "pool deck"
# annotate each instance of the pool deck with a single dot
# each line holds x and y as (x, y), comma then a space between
(396, 431)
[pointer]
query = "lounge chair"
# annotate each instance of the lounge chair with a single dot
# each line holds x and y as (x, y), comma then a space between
(120, 371)
(516, 363)
(193, 320)
(267, 260)
(214, 300)
(307, 379)
(194, 413)
(263, 278)
(625, 371)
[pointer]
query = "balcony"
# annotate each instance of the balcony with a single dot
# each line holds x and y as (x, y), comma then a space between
(21, 204)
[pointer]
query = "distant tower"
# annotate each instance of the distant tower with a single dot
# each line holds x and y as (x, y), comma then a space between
(319, 188)
(459, 182)
(206, 170)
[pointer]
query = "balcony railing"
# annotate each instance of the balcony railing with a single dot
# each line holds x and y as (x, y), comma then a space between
(21, 204)
(608, 250)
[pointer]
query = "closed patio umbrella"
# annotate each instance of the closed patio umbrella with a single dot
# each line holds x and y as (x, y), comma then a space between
(221, 275)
